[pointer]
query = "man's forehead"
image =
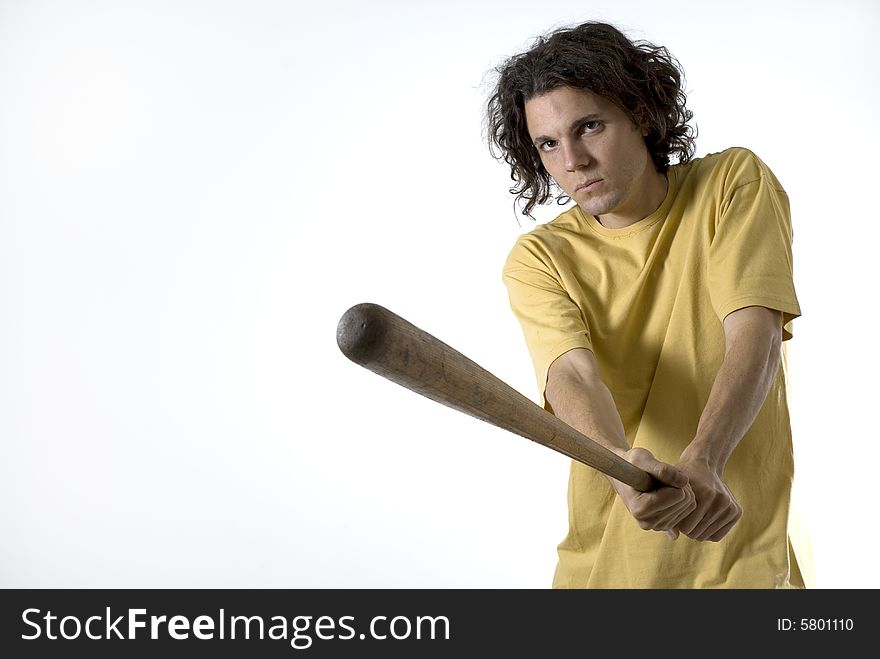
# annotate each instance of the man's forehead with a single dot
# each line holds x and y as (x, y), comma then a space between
(559, 106)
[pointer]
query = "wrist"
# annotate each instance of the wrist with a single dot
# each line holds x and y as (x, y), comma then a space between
(700, 452)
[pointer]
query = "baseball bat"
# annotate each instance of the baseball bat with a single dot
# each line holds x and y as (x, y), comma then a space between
(385, 343)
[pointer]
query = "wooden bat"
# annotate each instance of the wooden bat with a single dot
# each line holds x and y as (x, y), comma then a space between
(385, 343)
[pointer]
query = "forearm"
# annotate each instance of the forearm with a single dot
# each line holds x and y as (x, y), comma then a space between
(580, 398)
(586, 404)
(738, 393)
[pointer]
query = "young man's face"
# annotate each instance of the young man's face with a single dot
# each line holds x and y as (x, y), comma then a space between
(596, 154)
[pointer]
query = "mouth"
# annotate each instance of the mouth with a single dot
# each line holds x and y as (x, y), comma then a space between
(586, 185)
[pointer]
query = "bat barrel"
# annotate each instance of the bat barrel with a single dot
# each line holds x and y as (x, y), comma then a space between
(362, 331)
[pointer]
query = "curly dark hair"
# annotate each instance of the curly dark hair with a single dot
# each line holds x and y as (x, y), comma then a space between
(644, 80)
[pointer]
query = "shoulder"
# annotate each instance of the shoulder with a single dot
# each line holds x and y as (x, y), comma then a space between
(536, 248)
(728, 170)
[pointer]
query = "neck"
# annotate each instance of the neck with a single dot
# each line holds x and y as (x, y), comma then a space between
(652, 193)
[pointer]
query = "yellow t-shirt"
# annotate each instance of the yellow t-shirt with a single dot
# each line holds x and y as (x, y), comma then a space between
(648, 300)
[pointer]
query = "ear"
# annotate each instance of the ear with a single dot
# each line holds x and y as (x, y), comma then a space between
(641, 121)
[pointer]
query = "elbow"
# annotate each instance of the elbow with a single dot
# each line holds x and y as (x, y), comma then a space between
(755, 333)
(574, 371)
(772, 336)
(566, 386)
(769, 352)
(774, 356)
(554, 389)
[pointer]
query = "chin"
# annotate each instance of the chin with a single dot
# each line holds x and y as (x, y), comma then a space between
(594, 208)
(598, 206)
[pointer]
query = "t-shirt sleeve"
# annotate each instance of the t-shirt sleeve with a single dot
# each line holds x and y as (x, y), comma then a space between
(750, 258)
(551, 322)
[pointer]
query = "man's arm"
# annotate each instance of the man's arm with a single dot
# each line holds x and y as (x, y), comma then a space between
(579, 397)
(753, 337)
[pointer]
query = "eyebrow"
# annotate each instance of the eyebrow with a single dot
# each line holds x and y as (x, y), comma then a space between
(574, 124)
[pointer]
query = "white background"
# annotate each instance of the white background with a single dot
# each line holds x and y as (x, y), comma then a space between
(192, 193)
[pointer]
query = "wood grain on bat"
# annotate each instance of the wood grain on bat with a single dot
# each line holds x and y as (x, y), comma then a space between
(385, 343)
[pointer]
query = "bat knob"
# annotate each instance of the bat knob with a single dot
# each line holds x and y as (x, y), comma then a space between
(361, 331)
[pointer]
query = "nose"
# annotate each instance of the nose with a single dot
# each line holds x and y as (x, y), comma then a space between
(575, 155)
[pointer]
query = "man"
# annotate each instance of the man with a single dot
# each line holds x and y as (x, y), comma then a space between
(654, 310)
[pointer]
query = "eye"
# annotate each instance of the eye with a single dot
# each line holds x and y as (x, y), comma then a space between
(590, 126)
(546, 145)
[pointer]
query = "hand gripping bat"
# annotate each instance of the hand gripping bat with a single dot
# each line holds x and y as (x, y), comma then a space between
(385, 343)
